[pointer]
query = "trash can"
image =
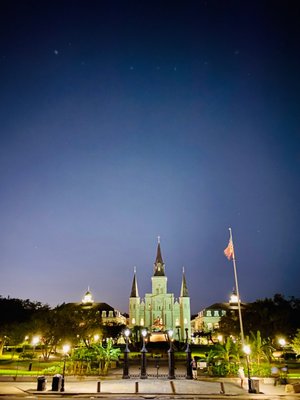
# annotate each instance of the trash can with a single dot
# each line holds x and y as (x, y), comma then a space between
(41, 383)
(254, 385)
(56, 383)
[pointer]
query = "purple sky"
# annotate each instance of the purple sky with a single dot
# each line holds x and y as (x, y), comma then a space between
(125, 120)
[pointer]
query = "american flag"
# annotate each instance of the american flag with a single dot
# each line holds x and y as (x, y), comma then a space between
(229, 250)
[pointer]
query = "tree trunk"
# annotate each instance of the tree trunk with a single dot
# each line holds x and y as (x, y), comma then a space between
(105, 368)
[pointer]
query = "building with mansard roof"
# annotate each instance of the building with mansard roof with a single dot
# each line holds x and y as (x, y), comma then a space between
(107, 313)
(208, 319)
(160, 311)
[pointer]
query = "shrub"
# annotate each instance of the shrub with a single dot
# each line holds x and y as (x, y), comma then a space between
(27, 355)
(224, 369)
(55, 369)
(262, 369)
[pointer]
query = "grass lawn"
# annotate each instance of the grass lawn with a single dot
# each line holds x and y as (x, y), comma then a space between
(294, 375)
(9, 366)
(14, 372)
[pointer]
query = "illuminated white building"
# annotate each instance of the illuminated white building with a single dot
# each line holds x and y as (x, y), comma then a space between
(209, 318)
(160, 311)
(108, 314)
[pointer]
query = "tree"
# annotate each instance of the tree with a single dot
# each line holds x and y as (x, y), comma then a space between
(84, 323)
(103, 355)
(261, 349)
(227, 355)
(66, 322)
(296, 343)
(15, 315)
(230, 325)
(226, 352)
(106, 354)
(83, 357)
(272, 317)
(51, 326)
(112, 330)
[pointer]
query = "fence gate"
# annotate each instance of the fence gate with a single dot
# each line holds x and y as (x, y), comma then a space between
(157, 369)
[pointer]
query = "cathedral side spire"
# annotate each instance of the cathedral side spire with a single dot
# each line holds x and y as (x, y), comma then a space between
(134, 288)
(159, 266)
(184, 290)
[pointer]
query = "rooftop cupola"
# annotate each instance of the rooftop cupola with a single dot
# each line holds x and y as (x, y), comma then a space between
(88, 298)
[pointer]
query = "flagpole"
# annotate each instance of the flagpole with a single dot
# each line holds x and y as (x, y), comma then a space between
(250, 388)
(237, 289)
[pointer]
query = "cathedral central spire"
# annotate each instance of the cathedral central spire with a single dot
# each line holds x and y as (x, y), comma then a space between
(159, 266)
(134, 288)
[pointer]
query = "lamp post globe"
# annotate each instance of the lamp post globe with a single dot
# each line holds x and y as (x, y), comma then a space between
(247, 351)
(171, 358)
(126, 351)
(66, 349)
(143, 374)
(189, 372)
(34, 342)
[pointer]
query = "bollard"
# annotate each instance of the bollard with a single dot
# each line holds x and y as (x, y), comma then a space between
(98, 387)
(136, 387)
(222, 391)
(173, 387)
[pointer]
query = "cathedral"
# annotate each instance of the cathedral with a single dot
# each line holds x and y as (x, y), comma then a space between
(160, 311)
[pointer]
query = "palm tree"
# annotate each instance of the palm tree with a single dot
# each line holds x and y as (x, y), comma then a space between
(83, 356)
(105, 355)
(261, 349)
(227, 353)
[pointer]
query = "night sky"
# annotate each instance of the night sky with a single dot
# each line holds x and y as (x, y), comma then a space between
(122, 121)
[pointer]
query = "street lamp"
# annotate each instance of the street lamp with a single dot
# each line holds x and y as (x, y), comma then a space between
(189, 372)
(220, 338)
(282, 342)
(171, 357)
(143, 358)
(126, 351)
(247, 351)
(66, 349)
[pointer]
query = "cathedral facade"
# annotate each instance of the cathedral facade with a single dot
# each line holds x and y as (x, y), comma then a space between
(160, 311)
